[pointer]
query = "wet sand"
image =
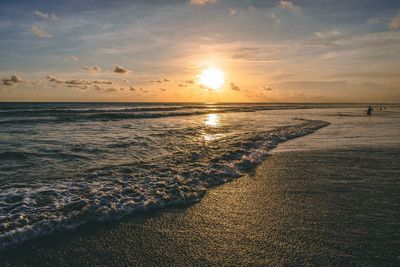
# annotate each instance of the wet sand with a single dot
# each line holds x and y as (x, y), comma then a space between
(327, 207)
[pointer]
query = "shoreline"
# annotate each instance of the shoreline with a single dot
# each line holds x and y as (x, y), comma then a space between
(287, 213)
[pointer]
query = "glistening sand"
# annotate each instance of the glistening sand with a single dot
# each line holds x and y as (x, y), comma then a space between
(320, 207)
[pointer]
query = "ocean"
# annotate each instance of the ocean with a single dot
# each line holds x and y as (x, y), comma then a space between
(63, 165)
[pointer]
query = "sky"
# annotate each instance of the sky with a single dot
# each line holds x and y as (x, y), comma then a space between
(158, 50)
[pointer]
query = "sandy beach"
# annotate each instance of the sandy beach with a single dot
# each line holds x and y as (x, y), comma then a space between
(327, 207)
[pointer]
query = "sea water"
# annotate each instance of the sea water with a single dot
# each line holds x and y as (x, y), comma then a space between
(65, 164)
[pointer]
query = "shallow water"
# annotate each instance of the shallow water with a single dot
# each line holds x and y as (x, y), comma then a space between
(62, 165)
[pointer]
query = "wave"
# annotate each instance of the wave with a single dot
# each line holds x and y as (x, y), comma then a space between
(27, 213)
(61, 116)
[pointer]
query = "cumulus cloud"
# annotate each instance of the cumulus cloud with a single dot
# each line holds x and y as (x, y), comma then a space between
(287, 5)
(119, 69)
(266, 88)
(71, 58)
(235, 87)
(395, 23)
(201, 2)
(91, 68)
(40, 33)
(112, 89)
(165, 80)
(10, 81)
(163, 89)
(132, 88)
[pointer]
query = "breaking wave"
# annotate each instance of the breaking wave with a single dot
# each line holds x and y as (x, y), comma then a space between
(145, 184)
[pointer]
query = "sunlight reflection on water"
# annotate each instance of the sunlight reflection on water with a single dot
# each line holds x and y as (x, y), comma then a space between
(212, 120)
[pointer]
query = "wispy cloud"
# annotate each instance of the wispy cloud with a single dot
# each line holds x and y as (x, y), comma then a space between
(287, 5)
(41, 14)
(374, 20)
(327, 34)
(395, 23)
(275, 19)
(102, 82)
(234, 87)
(54, 79)
(78, 82)
(70, 58)
(45, 15)
(201, 2)
(40, 33)
(91, 68)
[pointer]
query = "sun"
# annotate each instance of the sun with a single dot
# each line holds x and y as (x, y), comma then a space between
(212, 78)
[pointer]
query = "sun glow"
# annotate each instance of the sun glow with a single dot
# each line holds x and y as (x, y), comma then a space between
(212, 78)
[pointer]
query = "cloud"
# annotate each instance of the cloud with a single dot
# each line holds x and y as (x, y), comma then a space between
(395, 23)
(256, 53)
(119, 69)
(45, 16)
(102, 82)
(287, 5)
(163, 89)
(71, 58)
(266, 88)
(91, 69)
(132, 88)
(83, 87)
(40, 33)
(327, 34)
(12, 80)
(191, 81)
(202, 2)
(275, 19)
(41, 14)
(235, 87)
(53, 79)
(314, 85)
(78, 82)
(374, 20)
(112, 89)
(165, 80)
(232, 12)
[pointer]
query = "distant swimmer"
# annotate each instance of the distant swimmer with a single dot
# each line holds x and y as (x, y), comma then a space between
(369, 110)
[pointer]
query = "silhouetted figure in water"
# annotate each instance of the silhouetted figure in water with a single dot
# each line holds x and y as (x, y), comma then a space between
(369, 110)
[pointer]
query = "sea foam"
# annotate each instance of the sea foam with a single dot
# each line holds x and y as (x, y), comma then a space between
(107, 194)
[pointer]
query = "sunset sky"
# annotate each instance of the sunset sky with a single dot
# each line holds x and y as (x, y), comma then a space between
(158, 50)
